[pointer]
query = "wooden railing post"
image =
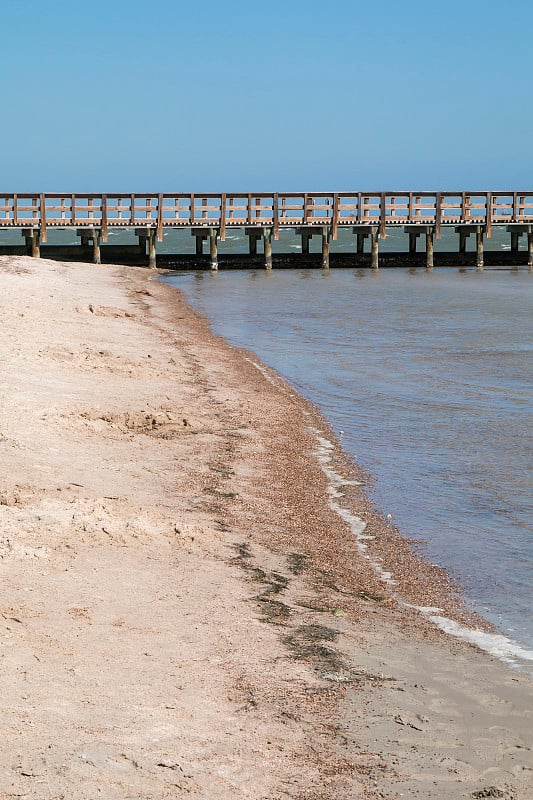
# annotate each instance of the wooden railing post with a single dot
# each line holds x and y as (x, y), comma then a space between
(43, 218)
(335, 215)
(223, 218)
(276, 216)
(104, 218)
(383, 214)
(160, 217)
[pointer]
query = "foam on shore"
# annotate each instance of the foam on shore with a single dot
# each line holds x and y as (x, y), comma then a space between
(495, 644)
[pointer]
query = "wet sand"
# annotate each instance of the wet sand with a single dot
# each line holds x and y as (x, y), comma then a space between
(182, 612)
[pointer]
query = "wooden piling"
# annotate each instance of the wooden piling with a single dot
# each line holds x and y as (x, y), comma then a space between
(95, 234)
(152, 234)
(515, 238)
(429, 248)
(33, 239)
(267, 239)
(253, 234)
(375, 249)
(305, 243)
(530, 248)
(479, 248)
(360, 243)
(462, 241)
(325, 248)
(213, 250)
(413, 237)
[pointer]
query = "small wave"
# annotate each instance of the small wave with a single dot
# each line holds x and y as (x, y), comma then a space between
(496, 645)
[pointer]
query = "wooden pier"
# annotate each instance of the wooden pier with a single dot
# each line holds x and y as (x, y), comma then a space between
(261, 216)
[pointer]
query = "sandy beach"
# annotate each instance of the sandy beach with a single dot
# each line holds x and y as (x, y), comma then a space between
(182, 612)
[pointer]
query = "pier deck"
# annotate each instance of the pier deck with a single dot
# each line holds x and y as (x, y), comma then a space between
(262, 216)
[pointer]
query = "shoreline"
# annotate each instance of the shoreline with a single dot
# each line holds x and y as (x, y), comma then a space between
(203, 471)
(424, 586)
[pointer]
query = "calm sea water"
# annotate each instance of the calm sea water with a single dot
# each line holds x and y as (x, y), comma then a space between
(428, 375)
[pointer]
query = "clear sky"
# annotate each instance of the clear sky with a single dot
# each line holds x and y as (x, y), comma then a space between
(165, 95)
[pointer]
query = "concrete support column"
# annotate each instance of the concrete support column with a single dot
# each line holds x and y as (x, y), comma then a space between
(325, 248)
(213, 249)
(375, 249)
(267, 239)
(479, 248)
(429, 248)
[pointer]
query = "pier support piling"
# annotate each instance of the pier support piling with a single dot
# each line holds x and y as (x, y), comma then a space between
(142, 237)
(362, 233)
(375, 249)
(516, 232)
(147, 236)
(33, 242)
(306, 238)
(95, 236)
(325, 248)
(414, 233)
(267, 240)
(429, 248)
(200, 235)
(213, 249)
(152, 256)
(479, 248)
(464, 232)
(90, 243)
(254, 235)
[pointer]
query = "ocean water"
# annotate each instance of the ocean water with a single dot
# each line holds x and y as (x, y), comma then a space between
(426, 377)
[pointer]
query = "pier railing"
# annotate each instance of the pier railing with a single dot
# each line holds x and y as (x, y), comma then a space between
(276, 210)
(264, 215)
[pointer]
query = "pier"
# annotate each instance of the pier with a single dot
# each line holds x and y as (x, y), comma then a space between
(261, 217)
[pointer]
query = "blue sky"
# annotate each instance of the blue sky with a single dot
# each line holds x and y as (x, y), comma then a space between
(227, 96)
